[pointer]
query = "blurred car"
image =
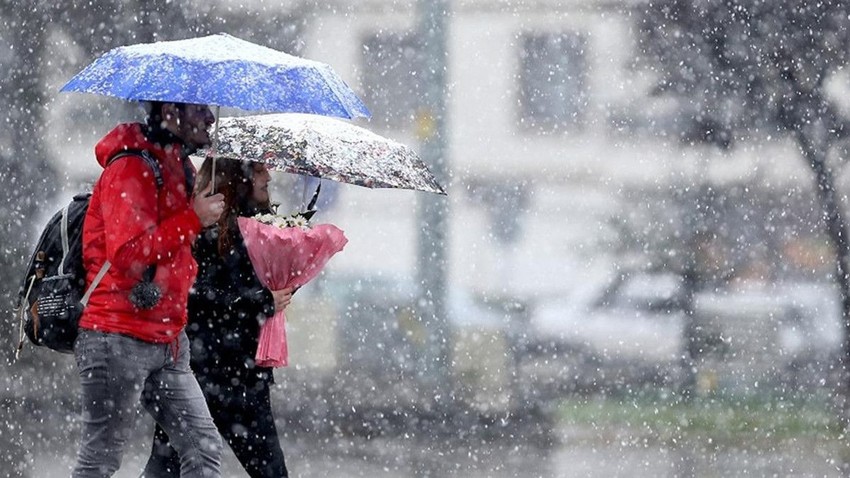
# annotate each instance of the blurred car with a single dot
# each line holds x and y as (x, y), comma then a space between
(745, 336)
(628, 317)
(777, 334)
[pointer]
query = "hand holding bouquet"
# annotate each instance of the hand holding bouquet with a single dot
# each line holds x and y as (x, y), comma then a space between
(286, 252)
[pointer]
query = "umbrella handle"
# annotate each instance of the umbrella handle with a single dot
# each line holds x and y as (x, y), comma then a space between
(315, 197)
(214, 148)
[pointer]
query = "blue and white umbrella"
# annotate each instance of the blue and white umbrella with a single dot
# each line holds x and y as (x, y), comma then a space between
(220, 70)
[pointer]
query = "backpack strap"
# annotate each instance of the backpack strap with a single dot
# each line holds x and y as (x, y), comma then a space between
(22, 310)
(150, 160)
(102, 272)
(63, 222)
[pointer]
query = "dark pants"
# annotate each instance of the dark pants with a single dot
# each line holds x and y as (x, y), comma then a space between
(244, 418)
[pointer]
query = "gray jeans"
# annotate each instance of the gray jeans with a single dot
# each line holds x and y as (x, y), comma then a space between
(116, 372)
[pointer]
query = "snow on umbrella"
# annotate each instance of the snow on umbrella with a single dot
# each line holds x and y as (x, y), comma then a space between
(324, 148)
(219, 70)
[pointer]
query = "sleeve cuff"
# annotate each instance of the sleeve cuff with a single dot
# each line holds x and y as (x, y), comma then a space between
(267, 300)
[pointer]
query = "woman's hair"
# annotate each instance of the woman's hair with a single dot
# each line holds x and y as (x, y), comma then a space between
(233, 179)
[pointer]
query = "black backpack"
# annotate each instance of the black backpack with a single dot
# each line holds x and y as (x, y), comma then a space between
(53, 293)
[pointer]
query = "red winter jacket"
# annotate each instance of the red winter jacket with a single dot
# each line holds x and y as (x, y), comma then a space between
(133, 224)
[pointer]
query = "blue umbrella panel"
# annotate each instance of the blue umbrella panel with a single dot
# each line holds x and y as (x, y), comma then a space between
(220, 70)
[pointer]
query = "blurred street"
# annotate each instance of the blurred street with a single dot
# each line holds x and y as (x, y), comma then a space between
(581, 453)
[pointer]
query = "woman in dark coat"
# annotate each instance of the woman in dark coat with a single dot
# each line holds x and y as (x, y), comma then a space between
(226, 308)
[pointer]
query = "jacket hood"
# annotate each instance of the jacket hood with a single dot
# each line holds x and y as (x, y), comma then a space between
(121, 138)
(135, 136)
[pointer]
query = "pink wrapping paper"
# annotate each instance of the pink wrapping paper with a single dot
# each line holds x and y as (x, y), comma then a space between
(282, 258)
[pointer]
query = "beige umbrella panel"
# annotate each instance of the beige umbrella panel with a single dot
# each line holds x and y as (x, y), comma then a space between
(325, 148)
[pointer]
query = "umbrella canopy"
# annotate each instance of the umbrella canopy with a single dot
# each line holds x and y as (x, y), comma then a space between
(325, 148)
(219, 70)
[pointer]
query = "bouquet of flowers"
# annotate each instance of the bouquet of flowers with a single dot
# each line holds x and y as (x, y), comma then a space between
(286, 252)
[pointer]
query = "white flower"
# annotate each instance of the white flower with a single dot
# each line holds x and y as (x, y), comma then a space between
(292, 220)
(297, 221)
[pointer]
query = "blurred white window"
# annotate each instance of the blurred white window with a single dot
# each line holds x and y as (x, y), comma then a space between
(552, 81)
(390, 78)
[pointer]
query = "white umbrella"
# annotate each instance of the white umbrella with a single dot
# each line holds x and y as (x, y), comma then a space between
(325, 148)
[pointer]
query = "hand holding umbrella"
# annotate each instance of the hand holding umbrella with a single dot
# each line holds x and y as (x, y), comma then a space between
(208, 206)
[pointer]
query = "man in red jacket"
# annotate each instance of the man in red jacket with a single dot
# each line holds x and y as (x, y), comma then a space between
(126, 350)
